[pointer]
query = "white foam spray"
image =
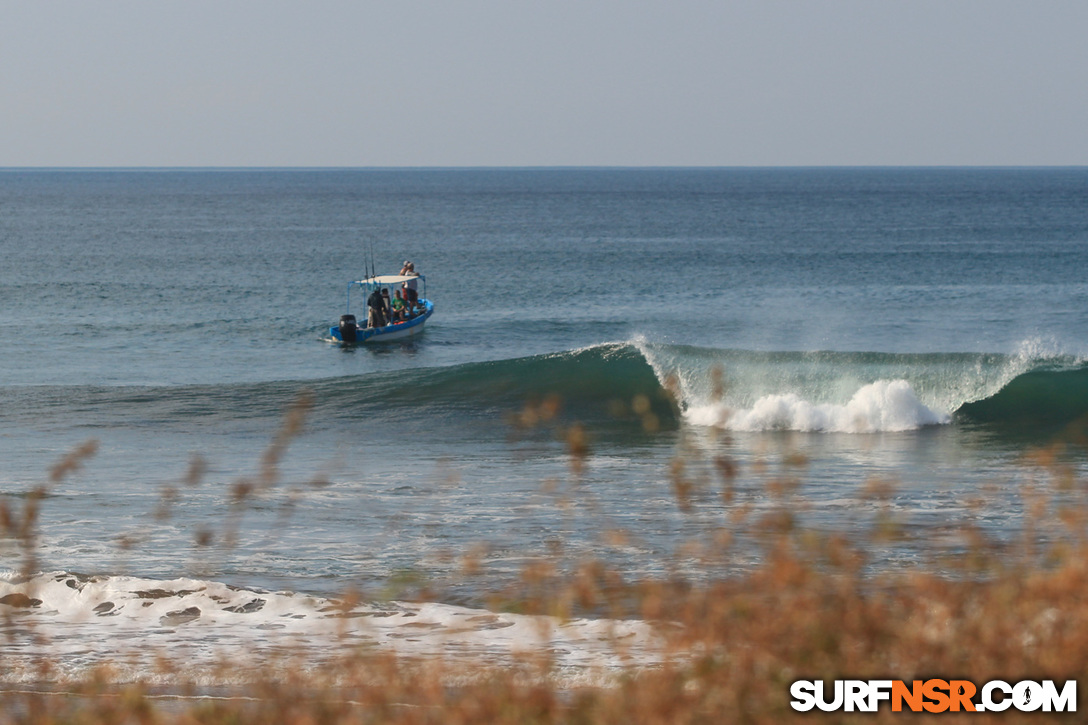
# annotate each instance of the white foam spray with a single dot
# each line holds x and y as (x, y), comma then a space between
(886, 405)
(808, 395)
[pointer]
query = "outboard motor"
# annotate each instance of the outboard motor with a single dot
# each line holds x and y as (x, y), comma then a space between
(348, 328)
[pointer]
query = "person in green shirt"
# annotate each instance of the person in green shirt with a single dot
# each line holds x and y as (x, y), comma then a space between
(400, 307)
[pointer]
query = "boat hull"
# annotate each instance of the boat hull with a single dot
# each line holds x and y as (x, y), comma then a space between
(389, 333)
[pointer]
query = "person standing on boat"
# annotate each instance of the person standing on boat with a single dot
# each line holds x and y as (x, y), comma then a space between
(410, 290)
(388, 307)
(376, 305)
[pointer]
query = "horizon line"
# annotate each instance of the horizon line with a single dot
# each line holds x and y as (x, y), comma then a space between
(558, 167)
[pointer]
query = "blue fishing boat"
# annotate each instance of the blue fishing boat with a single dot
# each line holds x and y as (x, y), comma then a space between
(350, 331)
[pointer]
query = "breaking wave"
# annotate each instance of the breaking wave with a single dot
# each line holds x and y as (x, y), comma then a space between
(850, 392)
(868, 392)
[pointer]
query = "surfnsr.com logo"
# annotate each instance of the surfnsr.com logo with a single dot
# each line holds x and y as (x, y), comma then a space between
(934, 696)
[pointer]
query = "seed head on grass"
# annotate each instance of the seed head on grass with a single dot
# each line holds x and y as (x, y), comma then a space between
(73, 461)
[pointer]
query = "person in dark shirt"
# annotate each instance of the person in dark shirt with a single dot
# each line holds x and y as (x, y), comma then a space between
(376, 304)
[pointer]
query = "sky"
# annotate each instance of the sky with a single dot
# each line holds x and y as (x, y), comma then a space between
(543, 83)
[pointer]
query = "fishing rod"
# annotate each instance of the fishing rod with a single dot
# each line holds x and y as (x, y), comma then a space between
(368, 255)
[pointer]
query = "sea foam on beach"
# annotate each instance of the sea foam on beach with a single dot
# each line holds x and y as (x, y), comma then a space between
(211, 633)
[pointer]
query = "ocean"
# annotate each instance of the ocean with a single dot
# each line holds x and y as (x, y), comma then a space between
(606, 343)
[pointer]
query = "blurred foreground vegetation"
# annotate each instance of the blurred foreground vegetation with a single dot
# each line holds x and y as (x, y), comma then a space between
(813, 608)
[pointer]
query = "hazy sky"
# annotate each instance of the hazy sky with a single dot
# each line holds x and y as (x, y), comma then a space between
(543, 82)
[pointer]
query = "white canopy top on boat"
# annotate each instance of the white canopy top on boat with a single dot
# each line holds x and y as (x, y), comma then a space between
(390, 279)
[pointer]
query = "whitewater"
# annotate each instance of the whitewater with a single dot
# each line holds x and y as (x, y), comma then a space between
(849, 392)
(219, 634)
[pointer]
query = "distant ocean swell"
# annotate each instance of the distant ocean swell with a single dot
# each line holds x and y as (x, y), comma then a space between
(849, 392)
